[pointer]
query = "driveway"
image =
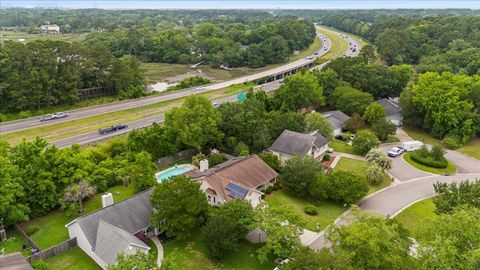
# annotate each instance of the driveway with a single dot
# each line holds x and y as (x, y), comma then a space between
(400, 168)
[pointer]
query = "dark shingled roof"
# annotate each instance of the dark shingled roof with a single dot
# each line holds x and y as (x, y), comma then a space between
(336, 118)
(391, 107)
(130, 215)
(294, 143)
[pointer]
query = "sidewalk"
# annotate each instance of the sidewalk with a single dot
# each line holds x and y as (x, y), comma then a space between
(160, 250)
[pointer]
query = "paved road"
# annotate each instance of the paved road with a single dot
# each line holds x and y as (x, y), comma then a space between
(401, 170)
(133, 103)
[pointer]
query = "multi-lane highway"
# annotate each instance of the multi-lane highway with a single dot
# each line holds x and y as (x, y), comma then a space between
(94, 136)
(133, 103)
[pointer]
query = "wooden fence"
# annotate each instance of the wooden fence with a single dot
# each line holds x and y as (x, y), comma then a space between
(54, 251)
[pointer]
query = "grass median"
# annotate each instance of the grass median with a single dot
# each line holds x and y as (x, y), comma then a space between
(450, 169)
(338, 48)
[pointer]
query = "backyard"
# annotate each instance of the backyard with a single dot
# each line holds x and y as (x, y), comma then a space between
(13, 244)
(73, 259)
(339, 146)
(360, 167)
(327, 211)
(190, 254)
(414, 216)
(51, 227)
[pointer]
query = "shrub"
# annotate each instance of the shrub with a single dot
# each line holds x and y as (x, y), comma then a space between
(434, 158)
(197, 158)
(383, 128)
(39, 265)
(275, 187)
(271, 160)
(24, 114)
(31, 229)
(244, 153)
(241, 149)
(364, 141)
(327, 157)
(451, 142)
(215, 159)
(341, 186)
(355, 123)
(310, 210)
(269, 190)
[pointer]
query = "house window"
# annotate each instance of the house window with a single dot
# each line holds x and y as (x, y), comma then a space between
(213, 199)
(209, 197)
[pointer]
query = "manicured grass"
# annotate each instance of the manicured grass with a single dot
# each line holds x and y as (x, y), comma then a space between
(414, 216)
(191, 254)
(327, 211)
(11, 35)
(314, 47)
(73, 259)
(153, 249)
(472, 148)
(339, 146)
(420, 135)
(52, 226)
(360, 167)
(339, 46)
(391, 139)
(14, 243)
(451, 168)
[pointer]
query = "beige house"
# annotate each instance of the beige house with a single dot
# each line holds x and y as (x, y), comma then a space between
(50, 28)
(291, 143)
(238, 178)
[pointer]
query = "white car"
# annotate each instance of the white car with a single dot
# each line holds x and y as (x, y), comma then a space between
(396, 151)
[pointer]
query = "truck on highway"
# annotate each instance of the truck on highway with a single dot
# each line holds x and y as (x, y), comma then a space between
(412, 146)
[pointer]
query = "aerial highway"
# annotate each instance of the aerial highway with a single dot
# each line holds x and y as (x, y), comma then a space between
(133, 103)
(94, 136)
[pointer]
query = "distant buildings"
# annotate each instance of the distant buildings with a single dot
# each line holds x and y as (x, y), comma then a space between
(50, 28)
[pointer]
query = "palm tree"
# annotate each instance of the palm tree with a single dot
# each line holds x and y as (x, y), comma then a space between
(375, 174)
(377, 157)
(76, 193)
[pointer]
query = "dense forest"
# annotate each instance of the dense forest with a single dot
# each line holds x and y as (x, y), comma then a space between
(42, 74)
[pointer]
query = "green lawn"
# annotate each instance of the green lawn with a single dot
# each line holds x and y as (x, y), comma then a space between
(153, 249)
(472, 148)
(190, 254)
(414, 216)
(339, 146)
(13, 244)
(391, 139)
(327, 211)
(451, 168)
(73, 259)
(52, 226)
(11, 35)
(360, 167)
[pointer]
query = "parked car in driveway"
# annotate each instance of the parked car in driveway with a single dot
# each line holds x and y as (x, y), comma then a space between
(395, 152)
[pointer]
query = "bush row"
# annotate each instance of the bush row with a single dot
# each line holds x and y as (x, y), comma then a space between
(429, 161)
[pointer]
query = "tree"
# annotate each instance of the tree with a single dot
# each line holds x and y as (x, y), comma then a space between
(272, 160)
(341, 186)
(316, 121)
(288, 120)
(375, 174)
(370, 242)
(355, 123)
(304, 259)
(227, 226)
(11, 208)
(455, 195)
(404, 74)
(368, 53)
(451, 241)
(350, 100)
(382, 128)
(299, 174)
(216, 158)
(195, 122)
(139, 261)
(364, 141)
(142, 171)
(157, 140)
(374, 112)
(327, 78)
(376, 157)
(299, 91)
(76, 193)
(180, 206)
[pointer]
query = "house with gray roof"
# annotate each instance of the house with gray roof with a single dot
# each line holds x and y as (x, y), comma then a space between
(291, 143)
(116, 228)
(393, 110)
(337, 119)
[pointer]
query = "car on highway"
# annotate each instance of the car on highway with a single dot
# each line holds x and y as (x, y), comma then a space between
(53, 116)
(47, 117)
(395, 151)
(59, 115)
(309, 57)
(113, 128)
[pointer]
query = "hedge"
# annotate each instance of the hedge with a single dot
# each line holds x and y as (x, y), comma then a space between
(429, 161)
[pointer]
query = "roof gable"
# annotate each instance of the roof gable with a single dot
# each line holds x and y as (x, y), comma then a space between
(294, 143)
(391, 107)
(336, 118)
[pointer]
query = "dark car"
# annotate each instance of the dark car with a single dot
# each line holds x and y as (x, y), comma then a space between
(119, 126)
(105, 130)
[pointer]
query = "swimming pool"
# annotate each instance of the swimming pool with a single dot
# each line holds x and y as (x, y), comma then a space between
(173, 171)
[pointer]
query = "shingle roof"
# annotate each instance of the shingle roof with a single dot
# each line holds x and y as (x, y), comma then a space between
(130, 215)
(391, 107)
(294, 143)
(336, 118)
(112, 240)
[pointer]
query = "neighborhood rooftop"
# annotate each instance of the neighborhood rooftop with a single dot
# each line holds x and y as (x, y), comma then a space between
(294, 143)
(336, 118)
(391, 107)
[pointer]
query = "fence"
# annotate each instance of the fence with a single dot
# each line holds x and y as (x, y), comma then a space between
(54, 251)
(178, 156)
(25, 237)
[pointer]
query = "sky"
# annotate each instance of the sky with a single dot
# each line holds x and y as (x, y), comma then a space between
(245, 4)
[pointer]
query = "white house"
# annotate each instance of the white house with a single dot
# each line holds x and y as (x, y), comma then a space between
(337, 119)
(114, 229)
(291, 143)
(50, 28)
(238, 178)
(393, 111)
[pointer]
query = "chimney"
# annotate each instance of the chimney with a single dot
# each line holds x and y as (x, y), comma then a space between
(107, 199)
(203, 165)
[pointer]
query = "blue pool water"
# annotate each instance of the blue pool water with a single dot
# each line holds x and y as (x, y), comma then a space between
(172, 172)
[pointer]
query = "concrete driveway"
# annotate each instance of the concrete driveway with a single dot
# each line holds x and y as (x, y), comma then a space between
(400, 168)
